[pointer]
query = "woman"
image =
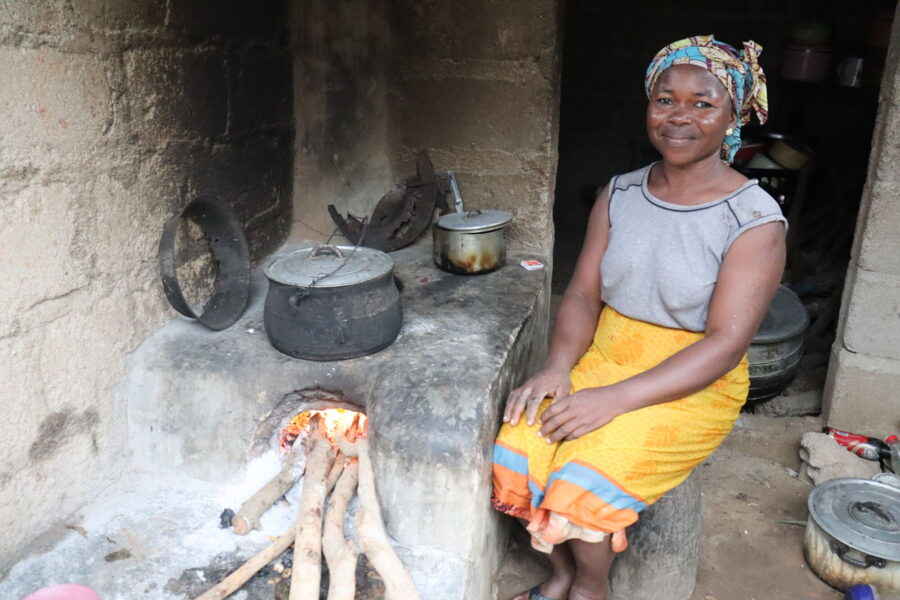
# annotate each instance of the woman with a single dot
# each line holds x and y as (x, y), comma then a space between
(646, 370)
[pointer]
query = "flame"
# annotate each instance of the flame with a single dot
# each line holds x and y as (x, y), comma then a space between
(338, 422)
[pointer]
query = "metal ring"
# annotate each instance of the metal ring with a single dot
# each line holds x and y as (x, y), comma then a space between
(229, 247)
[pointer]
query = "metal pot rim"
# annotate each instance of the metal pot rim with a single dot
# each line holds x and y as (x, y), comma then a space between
(475, 221)
(325, 266)
(228, 244)
(795, 320)
(831, 507)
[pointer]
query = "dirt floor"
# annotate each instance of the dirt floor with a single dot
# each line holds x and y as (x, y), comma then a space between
(749, 489)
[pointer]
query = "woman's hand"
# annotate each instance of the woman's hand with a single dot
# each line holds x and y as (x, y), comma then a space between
(551, 382)
(578, 414)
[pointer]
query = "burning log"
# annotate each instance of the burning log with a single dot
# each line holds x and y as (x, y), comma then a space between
(324, 470)
(247, 518)
(307, 568)
(341, 554)
(373, 538)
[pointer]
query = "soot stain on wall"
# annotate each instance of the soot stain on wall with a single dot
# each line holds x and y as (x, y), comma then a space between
(60, 427)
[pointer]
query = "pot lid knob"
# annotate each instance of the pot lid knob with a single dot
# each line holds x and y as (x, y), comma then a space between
(326, 249)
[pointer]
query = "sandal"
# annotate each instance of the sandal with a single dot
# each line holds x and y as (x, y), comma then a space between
(535, 594)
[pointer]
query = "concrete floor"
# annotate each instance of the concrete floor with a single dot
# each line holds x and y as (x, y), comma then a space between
(749, 487)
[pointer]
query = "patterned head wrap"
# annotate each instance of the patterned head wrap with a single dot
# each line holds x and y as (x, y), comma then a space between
(740, 73)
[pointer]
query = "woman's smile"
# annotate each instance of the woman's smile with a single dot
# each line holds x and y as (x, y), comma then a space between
(688, 114)
(677, 138)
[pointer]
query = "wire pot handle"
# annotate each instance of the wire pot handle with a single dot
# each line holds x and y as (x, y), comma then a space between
(326, 249)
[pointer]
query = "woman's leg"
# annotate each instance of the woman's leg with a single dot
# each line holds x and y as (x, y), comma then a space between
(592, 562)
(560, 580)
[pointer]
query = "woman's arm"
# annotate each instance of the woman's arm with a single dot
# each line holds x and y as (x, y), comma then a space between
(576, 320)
(747, 281)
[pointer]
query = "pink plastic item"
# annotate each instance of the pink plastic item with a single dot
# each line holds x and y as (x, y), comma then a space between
(64, 591)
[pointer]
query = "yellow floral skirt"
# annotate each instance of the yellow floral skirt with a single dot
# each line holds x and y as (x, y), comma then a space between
(602, 480)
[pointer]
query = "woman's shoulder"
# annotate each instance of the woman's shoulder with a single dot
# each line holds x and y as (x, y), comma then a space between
(750, 203)
(631, 179)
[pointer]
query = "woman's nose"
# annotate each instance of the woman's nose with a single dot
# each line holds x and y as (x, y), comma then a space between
(679, 116)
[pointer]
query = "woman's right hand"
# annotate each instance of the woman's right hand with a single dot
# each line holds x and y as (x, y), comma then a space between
(527, 398)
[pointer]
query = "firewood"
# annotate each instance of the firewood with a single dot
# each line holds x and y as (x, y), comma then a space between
(239, 577)
(334, 473)
(242, 574)
(247, 518)
(373, 539)
(340, 554)
(356, 429)
(307, 568)
(348, 448)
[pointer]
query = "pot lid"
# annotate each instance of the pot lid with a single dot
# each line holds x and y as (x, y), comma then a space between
(475, 221)
(785, 318)
(328, 266)
(861, 513)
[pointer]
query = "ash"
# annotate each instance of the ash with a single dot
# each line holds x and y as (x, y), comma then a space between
(157, 537)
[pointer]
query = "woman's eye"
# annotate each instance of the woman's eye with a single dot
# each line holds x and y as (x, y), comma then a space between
(664, 101)
(702, 104)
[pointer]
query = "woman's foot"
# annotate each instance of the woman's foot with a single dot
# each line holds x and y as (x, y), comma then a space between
(556, 587)
(577, 593)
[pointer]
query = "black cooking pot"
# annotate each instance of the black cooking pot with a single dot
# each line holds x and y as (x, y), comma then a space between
(332, 303)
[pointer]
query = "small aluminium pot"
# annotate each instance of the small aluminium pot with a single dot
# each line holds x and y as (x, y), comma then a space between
(332, 303)
(853, 534)
(471, 242)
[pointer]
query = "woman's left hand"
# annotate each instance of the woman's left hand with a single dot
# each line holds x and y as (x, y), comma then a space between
(579, 413)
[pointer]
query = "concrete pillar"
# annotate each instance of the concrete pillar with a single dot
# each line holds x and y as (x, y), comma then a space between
(862, 392)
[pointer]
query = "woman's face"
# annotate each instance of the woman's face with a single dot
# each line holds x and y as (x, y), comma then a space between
(688, 114)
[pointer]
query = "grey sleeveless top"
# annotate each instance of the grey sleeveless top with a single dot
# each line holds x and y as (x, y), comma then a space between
(663, 259)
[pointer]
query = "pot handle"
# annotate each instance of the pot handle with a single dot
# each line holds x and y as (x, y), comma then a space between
(326, 249)
(870, 561)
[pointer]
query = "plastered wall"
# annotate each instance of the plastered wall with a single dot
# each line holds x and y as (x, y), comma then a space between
(114, 115)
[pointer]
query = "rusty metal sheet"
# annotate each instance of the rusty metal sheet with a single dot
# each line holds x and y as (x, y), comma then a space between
(399, 219)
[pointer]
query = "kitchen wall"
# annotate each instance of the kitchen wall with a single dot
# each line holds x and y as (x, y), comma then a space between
(115, 114)
(342, 153)
(861, 393)
(474, 83)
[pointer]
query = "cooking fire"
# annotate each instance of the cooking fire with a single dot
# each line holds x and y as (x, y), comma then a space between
(336, 422)
(337, 468)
